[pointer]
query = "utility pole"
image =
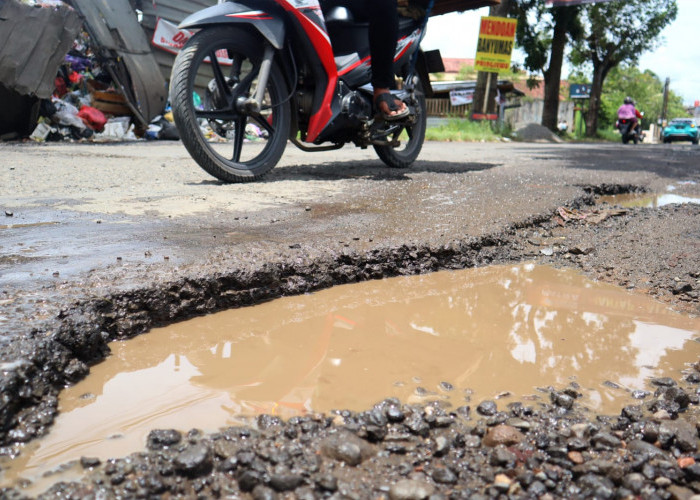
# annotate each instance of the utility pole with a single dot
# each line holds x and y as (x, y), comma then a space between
(664, 107)
(486, 83)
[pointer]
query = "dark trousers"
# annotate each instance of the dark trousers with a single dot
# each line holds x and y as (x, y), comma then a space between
(383, 33)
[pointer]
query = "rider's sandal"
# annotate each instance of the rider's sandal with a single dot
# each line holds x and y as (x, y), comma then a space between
(390, 101)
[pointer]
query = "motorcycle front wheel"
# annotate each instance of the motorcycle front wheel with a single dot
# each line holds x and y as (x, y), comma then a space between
(404, 155)
(213, 78)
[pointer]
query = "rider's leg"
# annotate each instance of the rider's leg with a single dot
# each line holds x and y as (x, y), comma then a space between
(383, 34)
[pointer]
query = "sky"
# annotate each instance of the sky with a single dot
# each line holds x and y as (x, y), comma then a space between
(677, 58)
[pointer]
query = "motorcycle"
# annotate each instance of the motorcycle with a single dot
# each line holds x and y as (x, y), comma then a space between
(630, 131)
(270, 71)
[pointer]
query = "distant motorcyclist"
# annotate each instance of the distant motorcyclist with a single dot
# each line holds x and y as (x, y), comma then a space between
(629, 112)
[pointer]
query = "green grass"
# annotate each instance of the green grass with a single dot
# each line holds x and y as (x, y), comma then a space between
(609, 134)
(463, 130)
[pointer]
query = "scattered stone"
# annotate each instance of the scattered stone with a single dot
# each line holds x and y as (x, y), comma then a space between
(347, 448)
(195, 460)
(158, 439)
(409, 489)
(487, 408)
(89, 462)
(444, 475)
(502, 435)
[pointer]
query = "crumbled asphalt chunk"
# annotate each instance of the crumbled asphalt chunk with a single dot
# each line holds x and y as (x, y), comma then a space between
(487, 408)
(346, 447)
(613, 461)
(161, 438)
(411, 489)
(194, 460)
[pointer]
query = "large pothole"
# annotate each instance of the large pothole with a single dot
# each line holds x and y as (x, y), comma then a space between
(459, 337)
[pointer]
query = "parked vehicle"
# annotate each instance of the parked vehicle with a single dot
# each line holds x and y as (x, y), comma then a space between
(681, 129)
(629, 130)
(274, 71)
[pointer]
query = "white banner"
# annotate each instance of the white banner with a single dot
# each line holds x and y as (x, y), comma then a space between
(168, 37)
(461, 97)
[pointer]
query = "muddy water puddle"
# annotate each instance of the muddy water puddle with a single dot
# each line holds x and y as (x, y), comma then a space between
(499, 333)
(647, 200)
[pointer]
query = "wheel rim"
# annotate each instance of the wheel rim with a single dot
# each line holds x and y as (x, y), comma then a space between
(221, 79)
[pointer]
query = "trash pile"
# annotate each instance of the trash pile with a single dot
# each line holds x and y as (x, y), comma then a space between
(86, 106)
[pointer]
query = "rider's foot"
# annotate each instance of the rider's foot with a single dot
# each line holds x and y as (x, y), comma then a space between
(389, 106)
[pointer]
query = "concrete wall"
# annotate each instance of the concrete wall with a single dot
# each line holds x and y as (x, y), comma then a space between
(531, 112)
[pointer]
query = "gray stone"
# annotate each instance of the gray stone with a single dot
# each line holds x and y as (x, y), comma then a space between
(409, 489)
(347, 448)
(196, 459)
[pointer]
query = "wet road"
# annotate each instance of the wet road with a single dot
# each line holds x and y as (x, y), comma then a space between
(88, 214)
(102, 242)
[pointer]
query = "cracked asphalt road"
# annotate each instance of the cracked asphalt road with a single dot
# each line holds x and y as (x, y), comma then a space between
(104, 241)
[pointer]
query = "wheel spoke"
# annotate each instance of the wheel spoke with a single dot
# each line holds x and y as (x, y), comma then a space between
(243, 87)
(236, 68)
(217, 114)
(238, 136)
(224, 89)
(262, 121)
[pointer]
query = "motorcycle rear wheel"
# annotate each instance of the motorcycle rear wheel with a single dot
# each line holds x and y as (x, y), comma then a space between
(229, 142)
(404, 155)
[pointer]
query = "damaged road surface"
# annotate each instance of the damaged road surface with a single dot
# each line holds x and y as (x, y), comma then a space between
(105, 242)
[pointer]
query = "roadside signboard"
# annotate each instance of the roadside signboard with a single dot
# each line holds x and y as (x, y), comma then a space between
(459, 97)
(580, 91)
(496, 40)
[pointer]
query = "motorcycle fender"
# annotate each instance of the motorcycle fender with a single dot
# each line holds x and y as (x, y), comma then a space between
(230, 13)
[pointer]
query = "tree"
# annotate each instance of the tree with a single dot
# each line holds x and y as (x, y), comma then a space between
(543, 34)
(617, 32)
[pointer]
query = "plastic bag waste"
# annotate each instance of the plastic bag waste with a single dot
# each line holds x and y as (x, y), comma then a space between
(118, 128)
(67, 114)
(162, 129)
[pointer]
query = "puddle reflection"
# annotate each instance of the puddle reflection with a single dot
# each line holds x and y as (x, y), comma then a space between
(447, 335)
(646, 200)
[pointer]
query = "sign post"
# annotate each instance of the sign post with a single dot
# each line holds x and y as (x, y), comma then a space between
(493, 53)
(579, 91)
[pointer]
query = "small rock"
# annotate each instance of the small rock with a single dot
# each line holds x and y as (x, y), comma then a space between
(327, 482)
(680, 492)
(444, 475)
(503, 434)
(347, 448)
(89, 462)
(441, 447)
(577, 250)
(286, 482)
(502, 482)
(606, 440)
(684, 433)
(487, 408)
(158, 439)
(663, 382)
(261, 492)
(194, 460)
(409, 489)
